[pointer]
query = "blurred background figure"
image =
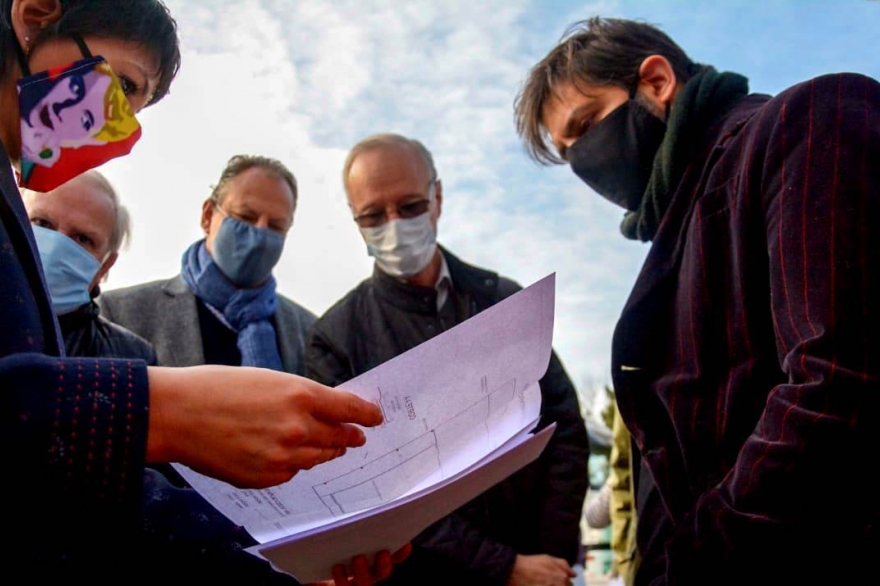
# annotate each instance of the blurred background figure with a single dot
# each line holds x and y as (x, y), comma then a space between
(609, 509)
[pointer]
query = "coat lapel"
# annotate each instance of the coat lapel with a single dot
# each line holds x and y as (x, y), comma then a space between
(183, 344)
(290, 342)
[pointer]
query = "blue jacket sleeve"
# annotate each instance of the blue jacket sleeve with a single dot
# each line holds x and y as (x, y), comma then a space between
(74, 435)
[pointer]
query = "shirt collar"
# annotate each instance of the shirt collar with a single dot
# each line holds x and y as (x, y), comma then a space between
(444, 282)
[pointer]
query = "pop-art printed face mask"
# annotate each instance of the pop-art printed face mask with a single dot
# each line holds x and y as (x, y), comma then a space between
(73, 118)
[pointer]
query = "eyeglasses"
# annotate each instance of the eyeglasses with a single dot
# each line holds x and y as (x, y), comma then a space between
(407, 210)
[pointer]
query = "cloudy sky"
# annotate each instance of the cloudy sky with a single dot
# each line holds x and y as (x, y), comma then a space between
(303, 80)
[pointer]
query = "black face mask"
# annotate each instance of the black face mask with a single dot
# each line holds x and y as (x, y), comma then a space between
(615, 157)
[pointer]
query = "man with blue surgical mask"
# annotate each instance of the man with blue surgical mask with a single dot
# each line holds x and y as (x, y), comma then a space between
(223, 307)
(525, 531)
(79, 228)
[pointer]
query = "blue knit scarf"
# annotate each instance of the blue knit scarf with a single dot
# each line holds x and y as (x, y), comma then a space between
(245, 311)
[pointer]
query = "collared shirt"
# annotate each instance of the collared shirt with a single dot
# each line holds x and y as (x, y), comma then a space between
(443, 286)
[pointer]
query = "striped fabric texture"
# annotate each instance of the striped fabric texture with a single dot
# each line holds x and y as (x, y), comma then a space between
(747, 359)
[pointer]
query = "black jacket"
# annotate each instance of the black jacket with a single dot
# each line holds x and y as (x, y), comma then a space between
(87, 334)
(538, 509)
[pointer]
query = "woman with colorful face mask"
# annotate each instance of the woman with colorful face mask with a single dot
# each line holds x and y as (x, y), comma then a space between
(76, 433)
(81, 115)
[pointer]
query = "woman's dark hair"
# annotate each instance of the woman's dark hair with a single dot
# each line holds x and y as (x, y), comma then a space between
(598, 51)
(144, 22)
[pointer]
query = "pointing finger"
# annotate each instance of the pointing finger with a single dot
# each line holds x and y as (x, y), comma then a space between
(341, 406)
(315, 433)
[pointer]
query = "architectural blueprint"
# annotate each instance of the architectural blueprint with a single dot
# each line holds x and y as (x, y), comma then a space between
(309, 555)
(448, 403)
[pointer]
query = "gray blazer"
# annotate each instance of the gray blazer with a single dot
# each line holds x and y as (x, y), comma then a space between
(165, 313)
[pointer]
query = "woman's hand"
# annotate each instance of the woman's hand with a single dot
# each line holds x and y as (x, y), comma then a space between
(250, 427)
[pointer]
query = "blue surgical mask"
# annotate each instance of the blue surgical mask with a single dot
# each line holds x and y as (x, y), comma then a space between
(244, 253)
(68, 267)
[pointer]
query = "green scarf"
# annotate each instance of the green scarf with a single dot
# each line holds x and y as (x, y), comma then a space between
(707, 96)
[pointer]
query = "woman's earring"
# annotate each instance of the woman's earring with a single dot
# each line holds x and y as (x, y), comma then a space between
(27, 44)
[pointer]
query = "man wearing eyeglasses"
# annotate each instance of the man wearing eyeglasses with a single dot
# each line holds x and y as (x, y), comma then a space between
(223, 308)
(526, 529)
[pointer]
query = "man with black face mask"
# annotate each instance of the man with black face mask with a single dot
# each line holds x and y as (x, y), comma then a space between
(223, 307)
(525, 530)
(745, 362)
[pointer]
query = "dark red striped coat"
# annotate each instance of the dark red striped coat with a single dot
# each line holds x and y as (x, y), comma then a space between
(747, 359)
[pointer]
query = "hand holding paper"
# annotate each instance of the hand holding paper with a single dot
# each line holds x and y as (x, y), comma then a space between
(457, 411)
(362, 573)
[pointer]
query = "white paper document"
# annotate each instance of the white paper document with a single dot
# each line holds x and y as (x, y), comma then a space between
(449, 403)
(310, 555)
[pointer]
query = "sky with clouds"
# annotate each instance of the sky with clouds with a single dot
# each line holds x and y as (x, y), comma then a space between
(304, 80)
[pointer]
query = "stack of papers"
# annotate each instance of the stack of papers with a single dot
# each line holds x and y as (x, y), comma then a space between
(458, 410)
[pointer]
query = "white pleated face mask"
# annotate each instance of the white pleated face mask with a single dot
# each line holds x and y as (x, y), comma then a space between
(402, 248)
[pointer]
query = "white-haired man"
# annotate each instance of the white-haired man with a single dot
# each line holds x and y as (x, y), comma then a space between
(80, 228)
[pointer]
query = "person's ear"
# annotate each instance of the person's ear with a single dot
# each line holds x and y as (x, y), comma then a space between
(438, 197)
(102, 273)
(207, 215)
(29, 17)
(657, 81)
